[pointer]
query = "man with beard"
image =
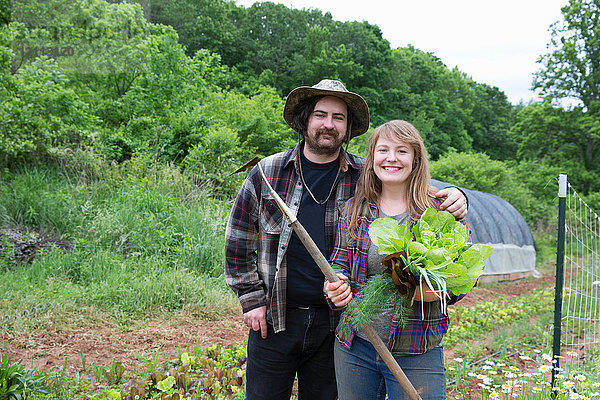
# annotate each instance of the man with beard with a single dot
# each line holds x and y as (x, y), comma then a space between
(279, 285)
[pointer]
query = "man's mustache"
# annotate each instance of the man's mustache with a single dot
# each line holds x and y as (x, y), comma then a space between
(327, 132)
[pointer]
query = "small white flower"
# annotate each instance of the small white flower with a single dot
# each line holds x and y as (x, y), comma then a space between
(512, 367)
(568, 384)
(572, 353)
(596, 283)
(486, 367)
(458, 360)
(536, 389)
(494, 395)
(480, 377)
(574, 395)
(525, 358)
(547, 357)
(493, 372)
(580, 378)
(545, 368)
(507, 387)
(451, 369)
(596, 384)
(537, 351)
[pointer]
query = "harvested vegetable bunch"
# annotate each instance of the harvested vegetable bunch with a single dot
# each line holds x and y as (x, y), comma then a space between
(377, 293)
(437, 251)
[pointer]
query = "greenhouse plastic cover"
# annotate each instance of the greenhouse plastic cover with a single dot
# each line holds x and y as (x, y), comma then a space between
(495, 222)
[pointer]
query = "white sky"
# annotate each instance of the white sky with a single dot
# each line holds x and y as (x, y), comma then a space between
(493, 42)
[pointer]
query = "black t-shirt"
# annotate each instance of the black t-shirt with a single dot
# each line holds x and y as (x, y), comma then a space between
(305, 279)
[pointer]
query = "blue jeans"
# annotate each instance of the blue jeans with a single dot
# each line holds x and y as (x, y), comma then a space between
(362, 375)
(305, 348)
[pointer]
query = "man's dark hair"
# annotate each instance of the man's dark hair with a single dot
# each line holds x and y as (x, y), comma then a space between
(305, 108)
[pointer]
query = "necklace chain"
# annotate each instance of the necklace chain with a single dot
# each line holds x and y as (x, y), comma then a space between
(308, 189)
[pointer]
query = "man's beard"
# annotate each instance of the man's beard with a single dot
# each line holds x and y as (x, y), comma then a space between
(328, 150)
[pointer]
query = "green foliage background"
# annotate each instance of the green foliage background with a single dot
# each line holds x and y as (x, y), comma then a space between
(120, 126)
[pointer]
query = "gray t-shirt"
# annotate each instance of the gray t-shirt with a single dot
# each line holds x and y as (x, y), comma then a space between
(383, 321)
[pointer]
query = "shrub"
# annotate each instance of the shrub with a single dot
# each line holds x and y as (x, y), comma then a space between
(520, 185)
(40, 112)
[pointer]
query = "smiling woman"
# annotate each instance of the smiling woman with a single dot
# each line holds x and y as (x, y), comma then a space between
(393, 184)
(392, 162)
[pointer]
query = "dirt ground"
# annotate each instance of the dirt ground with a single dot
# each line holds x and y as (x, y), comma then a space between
(101, 342)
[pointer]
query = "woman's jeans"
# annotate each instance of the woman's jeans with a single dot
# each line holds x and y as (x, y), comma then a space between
(362, 375)
(305, 348)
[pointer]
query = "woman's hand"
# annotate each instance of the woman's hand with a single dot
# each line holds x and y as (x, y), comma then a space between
(425, 294)
(339, 292)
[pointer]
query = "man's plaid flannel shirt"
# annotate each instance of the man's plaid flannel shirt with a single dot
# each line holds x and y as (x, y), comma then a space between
(258, 234)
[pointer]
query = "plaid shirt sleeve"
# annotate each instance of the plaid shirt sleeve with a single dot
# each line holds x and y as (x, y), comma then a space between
(241, 245)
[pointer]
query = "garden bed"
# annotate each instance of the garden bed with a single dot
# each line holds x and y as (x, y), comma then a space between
(92, 340)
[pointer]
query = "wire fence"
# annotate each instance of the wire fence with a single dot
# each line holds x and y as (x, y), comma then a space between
(577, 296)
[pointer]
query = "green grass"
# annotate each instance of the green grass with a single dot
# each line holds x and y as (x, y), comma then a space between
(143, 241)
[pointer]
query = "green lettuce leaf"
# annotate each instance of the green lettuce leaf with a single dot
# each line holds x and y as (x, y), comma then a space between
(440, 250)
(389, 236)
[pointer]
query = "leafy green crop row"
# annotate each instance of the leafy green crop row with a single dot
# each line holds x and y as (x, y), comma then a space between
(474, 322)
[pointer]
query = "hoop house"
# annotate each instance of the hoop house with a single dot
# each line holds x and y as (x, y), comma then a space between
(495, 222)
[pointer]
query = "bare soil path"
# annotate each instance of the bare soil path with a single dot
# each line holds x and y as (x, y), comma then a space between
(102, 342)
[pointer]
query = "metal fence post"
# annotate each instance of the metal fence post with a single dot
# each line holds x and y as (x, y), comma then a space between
(560, 259)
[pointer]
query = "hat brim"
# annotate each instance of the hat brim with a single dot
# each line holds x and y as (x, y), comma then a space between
(356, 105)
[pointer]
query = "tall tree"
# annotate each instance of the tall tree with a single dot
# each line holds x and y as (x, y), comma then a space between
(204, 24)
(571, 70)
(492, 116)
(562, 137)
(275, 36)
(572, 67)
(321, 60)
(368, 49)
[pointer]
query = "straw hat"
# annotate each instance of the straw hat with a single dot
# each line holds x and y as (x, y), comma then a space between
(328, 87)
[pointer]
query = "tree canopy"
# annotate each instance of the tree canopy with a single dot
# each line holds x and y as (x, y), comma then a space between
(202, 83)
(570, 71)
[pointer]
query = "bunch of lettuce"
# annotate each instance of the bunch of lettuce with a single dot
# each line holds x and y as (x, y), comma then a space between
(436, 251)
